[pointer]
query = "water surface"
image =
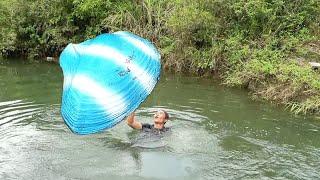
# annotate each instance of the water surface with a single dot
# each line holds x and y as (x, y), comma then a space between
(216, 133)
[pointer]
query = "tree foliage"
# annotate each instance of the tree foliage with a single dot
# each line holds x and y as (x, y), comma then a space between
(245, 42)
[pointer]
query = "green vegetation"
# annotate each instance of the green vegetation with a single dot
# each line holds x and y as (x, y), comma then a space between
(262, 45)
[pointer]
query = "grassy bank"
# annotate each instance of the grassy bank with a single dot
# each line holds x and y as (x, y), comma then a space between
(261, 45)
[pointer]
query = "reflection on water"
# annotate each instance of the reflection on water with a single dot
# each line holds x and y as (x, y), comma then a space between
(215, 133)
(15, 111)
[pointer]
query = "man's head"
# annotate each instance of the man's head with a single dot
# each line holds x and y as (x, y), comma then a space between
(161, 117)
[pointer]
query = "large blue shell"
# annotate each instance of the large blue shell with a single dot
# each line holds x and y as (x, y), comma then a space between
(105, 79)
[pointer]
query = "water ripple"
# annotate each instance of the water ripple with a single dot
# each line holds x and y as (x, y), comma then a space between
(13, 112)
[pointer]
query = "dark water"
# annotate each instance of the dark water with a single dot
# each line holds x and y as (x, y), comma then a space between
(216, 133)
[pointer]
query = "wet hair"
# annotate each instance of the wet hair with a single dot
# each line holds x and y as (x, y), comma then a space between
(166, 115)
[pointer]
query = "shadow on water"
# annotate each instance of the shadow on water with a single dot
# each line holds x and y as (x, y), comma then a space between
(215, 133)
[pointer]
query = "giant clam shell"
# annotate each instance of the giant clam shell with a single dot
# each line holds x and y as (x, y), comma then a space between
(105, 79)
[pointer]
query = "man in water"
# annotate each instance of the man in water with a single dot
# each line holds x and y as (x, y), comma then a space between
(160, 119)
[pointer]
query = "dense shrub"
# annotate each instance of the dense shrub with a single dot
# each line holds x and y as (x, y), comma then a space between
(263, 45)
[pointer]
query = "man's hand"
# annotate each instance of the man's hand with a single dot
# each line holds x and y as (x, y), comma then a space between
(133, 123)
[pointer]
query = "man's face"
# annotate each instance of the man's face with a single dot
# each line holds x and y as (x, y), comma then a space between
(159, 117)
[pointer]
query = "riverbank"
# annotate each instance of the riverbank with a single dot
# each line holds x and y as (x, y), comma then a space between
(263, 46)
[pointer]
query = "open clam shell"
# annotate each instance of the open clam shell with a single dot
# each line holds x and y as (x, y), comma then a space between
(105, 79)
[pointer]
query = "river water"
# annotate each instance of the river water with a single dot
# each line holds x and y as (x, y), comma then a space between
(216, 133)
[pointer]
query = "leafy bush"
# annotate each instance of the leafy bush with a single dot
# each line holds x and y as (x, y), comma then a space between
(248, 43)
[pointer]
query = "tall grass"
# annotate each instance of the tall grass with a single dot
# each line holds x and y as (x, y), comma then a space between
(262, 45)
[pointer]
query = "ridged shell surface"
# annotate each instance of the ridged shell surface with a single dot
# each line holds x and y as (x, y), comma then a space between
(105, 79)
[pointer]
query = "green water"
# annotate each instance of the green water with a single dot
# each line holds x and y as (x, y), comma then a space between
(216, 133)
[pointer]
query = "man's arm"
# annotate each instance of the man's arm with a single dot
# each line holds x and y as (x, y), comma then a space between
(133, 123)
